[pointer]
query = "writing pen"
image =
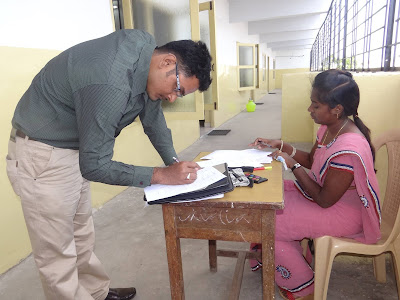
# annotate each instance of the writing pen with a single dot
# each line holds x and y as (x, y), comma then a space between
(263, 143)
(175, 159)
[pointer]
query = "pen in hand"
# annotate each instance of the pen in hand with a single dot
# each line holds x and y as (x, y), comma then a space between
(263, 143)
(178, 161)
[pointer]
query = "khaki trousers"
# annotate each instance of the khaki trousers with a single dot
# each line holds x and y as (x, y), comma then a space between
(57, 208)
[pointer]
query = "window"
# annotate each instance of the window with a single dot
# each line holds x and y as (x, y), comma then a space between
(257, 64)
(273, 68)
(118, 14)
(264, 67)
(396, 39)
(247, 66)
(360, 35)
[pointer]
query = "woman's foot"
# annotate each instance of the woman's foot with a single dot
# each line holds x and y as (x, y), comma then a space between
(255, 264)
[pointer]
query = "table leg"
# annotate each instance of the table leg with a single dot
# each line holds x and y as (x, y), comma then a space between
(212, 255)
(238, 276)
(173, 254)
(268, 253)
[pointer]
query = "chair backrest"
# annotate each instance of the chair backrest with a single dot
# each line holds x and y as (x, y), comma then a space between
(391, 203)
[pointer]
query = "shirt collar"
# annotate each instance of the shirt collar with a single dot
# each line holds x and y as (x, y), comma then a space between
(143, 67)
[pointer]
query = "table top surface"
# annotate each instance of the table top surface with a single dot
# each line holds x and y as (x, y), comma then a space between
(268, 194)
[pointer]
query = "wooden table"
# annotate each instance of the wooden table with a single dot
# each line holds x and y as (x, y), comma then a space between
(243, 215)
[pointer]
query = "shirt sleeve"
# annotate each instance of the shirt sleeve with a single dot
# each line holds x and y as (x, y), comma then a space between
(155, 127)
(98, 109)
(343, 163)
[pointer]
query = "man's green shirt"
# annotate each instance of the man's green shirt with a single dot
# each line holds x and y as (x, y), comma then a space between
(85, 96)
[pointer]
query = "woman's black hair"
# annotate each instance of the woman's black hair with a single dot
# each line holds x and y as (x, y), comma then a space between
(193, 58)
(335, 87)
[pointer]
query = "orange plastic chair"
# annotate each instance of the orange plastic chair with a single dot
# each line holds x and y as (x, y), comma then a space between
(327, 247)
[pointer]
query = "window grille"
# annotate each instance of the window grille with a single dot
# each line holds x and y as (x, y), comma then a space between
(358, 35)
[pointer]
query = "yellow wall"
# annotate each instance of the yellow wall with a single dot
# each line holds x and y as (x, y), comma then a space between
(272, 84)
(232, 101)
(379, 107)
(379, 104)
(297, 126)
(262, 90)
(19, 66)
(280, 72)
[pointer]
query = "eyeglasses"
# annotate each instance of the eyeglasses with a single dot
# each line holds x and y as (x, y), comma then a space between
(178, 85)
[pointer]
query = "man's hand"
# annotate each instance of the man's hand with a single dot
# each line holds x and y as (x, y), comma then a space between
(179, 173)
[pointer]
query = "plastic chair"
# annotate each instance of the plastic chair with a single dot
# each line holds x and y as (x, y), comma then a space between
(327, 247)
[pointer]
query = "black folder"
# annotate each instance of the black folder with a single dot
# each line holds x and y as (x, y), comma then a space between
(224, 185)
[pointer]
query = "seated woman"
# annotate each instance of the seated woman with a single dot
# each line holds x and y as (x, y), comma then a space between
(339, 196)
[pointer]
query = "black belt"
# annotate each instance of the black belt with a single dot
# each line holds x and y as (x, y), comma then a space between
(20, 134)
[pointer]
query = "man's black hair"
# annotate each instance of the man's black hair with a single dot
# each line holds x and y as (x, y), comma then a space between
(193, 59)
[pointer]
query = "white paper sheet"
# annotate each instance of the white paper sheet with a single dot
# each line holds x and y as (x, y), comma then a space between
(205, 177)
(238, 158)
(217, 196)
(258, 155)
(222, 154)
(231, 162)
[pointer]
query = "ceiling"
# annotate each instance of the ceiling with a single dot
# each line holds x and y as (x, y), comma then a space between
(281, 24)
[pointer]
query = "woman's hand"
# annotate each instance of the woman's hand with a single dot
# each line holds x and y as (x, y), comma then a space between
(261, 143)
(290, 162)
(335, 185)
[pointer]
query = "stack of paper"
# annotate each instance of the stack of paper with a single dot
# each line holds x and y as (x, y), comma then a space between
(237, 158)
(205, 177)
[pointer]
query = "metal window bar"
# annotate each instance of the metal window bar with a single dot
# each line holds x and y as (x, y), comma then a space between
(368, 33)
(351, 34)
(396, 39)
(385, 37)
(346, 2)
(349, 37)
(389, 34)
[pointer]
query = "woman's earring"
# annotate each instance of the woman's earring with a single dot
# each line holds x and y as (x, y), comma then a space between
(337, 116)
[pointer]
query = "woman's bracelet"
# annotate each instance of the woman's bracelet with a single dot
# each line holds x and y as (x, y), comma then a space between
(293, 152)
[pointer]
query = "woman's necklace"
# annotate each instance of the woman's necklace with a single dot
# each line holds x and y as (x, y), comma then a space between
(344, 124)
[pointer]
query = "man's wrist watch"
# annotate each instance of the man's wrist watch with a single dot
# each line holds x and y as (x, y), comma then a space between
(296, 166)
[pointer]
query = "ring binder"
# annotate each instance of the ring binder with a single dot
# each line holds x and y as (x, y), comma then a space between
(224, 185)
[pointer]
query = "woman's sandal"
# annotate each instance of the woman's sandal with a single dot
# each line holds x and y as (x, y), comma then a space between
(285, 294)
(255, 264)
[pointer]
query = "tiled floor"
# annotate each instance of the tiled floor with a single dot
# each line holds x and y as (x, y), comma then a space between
(130, 238)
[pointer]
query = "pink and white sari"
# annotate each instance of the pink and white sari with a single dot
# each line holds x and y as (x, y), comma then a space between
(355, 215)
